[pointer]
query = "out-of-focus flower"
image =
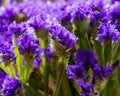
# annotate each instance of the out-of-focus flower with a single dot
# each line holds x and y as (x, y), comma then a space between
(10, 86)
(107, 31)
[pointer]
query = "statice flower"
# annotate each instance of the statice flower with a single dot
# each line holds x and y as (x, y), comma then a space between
(108, 31)
(87, 58)
(9, 11)
(75, 71)
(86, 87)
(40, 21)
(48, 53)
(2, 77)
(6, 51)
(80, 12)
(63, 36)
(17, 29)
(114, 11)
(10, 86)
(30, 9)
(28, 45)
(107, 71)
(113, 1)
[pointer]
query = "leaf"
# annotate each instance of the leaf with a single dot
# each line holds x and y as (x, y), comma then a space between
(19, 63)
(99, 51)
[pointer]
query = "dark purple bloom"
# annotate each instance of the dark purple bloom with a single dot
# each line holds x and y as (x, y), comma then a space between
(114, 11)
(113, 1)
(17, 29)
(39, 21)
(80, 56)
(80, 12)
(9, 11)
(63, 36)
(86, 94)
(85, 86)
(115, 65)
(27, 44)
(75, 71)
(107, 31)
(2, 77)
(10, 86)
(48, 53)
(107, 71)
(87, 58)
(97, 73)
(6, 51)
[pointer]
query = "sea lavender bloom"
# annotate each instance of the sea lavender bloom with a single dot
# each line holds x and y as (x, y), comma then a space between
(107, 71)
(97, 73)
(6, 51)
(48, 53)
(107, 31)
(9, 11)
(86, 87)
(63, 36)
(27, 44)
(17, 29)
(114, 11)
(75, 71)
(80, 12)
(10, 86)
(87, 58)
(39, 21)
(86, 94)
(113, 1)
(2, 77)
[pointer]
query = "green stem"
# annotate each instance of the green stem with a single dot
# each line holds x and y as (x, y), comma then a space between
(45, 69)
(66, 86)
(60, 77)
(46, 75)
(62, 80)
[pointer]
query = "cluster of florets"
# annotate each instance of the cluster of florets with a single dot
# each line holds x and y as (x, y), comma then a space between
(23, 24)
(85, 63)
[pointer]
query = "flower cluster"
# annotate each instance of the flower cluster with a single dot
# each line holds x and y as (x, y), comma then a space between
(43, 40)
(8, 85)
(86, 61)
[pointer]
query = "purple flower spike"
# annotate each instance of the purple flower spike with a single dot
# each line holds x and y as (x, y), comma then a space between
(2, 77)
(27, 44)
(9, 86)
(107, 31)
(75, 71)
(86, 87)
(63, 36)
(107, 71)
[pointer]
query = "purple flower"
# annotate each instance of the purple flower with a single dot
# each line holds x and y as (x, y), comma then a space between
(6, 51)
(80, 12)
(48, 53)
(80, 56)
(10, 86)
(75, 71)
(17, 29)
(27, 44)
(115, 65)
(107, 31)
(114, 11)
(9, 11)
(87, 58)
(97, 73)
(86, 94)
(86, 87)
(63, 36)
(39, 21)
(2, 77)
(107, 71)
